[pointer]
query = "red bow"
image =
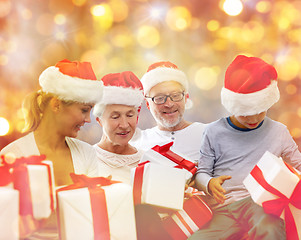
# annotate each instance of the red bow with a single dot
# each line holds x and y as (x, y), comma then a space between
(182, 162)
(278, 205)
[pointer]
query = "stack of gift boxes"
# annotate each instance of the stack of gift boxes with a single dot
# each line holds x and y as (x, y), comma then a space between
(99, 208)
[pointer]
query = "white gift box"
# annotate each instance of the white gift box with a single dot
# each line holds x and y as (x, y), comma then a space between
(76, 216)
(279, 176)
(156, 157)
(160, 185)
(41, 190)
(9, 214)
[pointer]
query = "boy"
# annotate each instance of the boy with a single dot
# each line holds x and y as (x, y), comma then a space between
(231, 148)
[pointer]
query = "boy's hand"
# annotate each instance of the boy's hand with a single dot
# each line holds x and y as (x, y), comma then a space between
(215, 188)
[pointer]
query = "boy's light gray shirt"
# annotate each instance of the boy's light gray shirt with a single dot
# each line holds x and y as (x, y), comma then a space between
(228, 151)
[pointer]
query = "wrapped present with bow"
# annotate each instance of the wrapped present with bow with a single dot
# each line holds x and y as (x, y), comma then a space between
(163, 155)
(158, 185)
(9, 207)
(96, 208)
(276, 186)
(33, 177)
(182, 224)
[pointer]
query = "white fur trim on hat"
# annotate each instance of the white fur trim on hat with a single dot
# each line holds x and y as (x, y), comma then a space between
(70, 88)
(163, 74)
(248, 104)
(118, 95)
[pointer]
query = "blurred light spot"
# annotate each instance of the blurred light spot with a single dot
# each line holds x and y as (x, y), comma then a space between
(263, 6)
(120, 10)
(26, 14)
(60, 35)
(97, 59)
(3, 60)
(103, 16)
(79, 3)
(299, 112)
(60, 19)
(148, 36)
(4, 126)
(283, 23)
(122, 37)
(233, 7)
(288, 69)
(178, 18)
(45, 24)
(20, 125)
(213, 25)
(291, 89)
(296, 132)
(157, 12)
(99, 10)
(206, 78)
(252, 32)
(5, 7)
(220, 44)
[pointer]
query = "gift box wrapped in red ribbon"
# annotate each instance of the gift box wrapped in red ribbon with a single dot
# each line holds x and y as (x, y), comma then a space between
(276, 186)
(33, 178)
(158, 185)
(163, 155)
(96, 208)
(182, 224)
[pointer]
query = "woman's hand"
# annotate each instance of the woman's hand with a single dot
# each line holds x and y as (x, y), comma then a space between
(215, 188)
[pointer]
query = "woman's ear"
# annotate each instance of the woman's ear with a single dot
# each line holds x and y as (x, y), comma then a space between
(99, 121)
(55, 104)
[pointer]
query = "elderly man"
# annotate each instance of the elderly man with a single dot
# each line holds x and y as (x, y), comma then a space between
(166, 92)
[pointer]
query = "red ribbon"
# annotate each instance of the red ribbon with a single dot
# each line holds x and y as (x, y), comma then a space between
(17, 173)
(98, 202)
(137, 184)
(280, 204)
(182, 162)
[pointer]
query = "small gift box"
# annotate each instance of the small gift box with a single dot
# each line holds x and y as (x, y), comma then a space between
(158, 185)
(33, 178)
(276, 186)
(9, 214)
(96, 208)
(182, 224)
(163, 155)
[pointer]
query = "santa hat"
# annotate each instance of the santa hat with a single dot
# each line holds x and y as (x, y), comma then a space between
(164, 71)
(250, 86)
(120, 88)
(72, 81)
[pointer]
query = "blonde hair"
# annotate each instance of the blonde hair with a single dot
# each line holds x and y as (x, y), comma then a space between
(33, 107)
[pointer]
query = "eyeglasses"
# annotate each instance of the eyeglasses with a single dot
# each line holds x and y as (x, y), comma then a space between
(160, 99)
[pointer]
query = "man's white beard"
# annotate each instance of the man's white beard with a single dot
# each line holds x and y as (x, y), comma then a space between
(165, 123)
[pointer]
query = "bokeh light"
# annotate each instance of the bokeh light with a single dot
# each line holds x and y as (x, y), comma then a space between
(4, 126)
(233, 7)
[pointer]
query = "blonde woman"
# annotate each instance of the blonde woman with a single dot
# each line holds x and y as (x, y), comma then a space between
(55, 114)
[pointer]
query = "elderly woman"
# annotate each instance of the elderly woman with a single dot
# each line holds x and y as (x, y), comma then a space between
(117, 113)
(54, 115)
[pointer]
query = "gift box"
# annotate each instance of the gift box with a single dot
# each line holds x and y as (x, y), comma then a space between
(182, 224)
(33, 178)
(276, 186)
(9, 214)
(163, 155)
(158, 185)
(96, 208)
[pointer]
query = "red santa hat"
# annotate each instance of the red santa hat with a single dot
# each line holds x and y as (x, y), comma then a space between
(164, 71)
(250, 86)
(120, 88)
(72, 81)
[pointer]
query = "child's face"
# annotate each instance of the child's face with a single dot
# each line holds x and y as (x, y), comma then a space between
(249, 122)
